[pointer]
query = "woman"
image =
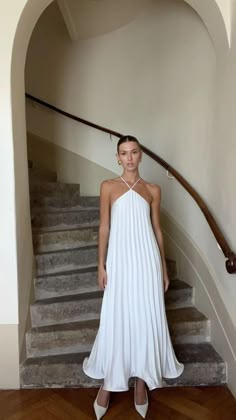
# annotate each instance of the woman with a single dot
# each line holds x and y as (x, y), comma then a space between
(133, 337)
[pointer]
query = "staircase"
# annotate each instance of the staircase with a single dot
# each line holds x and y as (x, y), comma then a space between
(65, 314)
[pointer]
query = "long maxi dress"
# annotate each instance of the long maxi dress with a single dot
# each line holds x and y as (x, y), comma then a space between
(133, 337)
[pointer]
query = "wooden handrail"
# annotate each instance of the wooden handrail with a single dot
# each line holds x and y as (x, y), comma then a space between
(222, 242)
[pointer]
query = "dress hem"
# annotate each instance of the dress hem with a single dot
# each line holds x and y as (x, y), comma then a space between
(136, 376)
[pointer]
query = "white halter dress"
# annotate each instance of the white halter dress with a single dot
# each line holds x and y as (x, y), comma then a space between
(133, 338)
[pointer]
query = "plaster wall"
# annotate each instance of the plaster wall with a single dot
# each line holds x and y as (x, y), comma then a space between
(69, 166)
(9, 360)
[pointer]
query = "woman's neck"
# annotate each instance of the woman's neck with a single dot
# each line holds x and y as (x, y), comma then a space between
(131, 177)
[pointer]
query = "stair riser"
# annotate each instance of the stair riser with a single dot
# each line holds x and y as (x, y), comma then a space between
(62, 221)
(64, 342)
(62, 312)
(70, 284)
(190, 332)
(65, 261)
(200, 374)
(72, 375)
(59, 202)
(51, 204)
(49, 188)
(53, 241)
(179, 298)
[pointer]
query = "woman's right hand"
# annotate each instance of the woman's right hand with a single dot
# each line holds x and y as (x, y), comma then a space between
(102, 278)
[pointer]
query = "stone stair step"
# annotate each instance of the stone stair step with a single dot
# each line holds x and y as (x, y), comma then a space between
(179, 294)
(68, 283)
(61, 338)
(66, 309)
(66, 260)
(186, 325)
(65, 220)
(203, 366)
(62, 203)
(65, 239)
(85, 280)
(51, 311)
(46, 188)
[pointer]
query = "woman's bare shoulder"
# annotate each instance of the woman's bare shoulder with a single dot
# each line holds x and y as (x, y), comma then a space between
(154, 189)
(108, 184)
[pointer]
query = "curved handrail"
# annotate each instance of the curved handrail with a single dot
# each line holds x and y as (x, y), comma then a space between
(222, 242)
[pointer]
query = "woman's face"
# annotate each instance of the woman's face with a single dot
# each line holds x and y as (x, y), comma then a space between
(130, 155)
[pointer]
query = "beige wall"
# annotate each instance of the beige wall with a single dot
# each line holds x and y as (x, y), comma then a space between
(9, 360)
(69, 166)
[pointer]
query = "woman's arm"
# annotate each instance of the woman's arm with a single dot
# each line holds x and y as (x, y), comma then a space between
(103, 234)
(155, 218)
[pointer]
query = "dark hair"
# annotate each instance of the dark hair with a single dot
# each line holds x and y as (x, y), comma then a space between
(125, 139)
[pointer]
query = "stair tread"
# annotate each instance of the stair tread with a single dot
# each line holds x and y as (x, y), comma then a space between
(38, 231)
(201, 353)
(79, 229)
(70, 298)
(69, 326)
(190, 314)
(86, 245)
(60, 227)
(92, 294)
(40, 183)
(65, 210)
(177, 284)
(84, 269)
(174, 283)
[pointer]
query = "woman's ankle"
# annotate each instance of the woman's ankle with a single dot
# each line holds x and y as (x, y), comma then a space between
(103, 397)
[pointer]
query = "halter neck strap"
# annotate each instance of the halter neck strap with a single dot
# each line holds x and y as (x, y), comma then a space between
(128, 184)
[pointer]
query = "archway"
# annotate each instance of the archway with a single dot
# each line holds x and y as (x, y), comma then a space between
(216, 16)
(15, 236)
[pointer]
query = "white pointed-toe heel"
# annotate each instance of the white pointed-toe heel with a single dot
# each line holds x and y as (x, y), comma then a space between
(141, 408)
(99, 410)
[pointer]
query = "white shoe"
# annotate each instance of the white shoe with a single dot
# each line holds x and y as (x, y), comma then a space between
(141, 408)
(99, 410)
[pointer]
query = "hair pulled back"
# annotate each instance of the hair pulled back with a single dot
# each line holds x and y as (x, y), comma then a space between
(125, 139)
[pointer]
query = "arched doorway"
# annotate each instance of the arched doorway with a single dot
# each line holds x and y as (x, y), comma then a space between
(15, 237)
